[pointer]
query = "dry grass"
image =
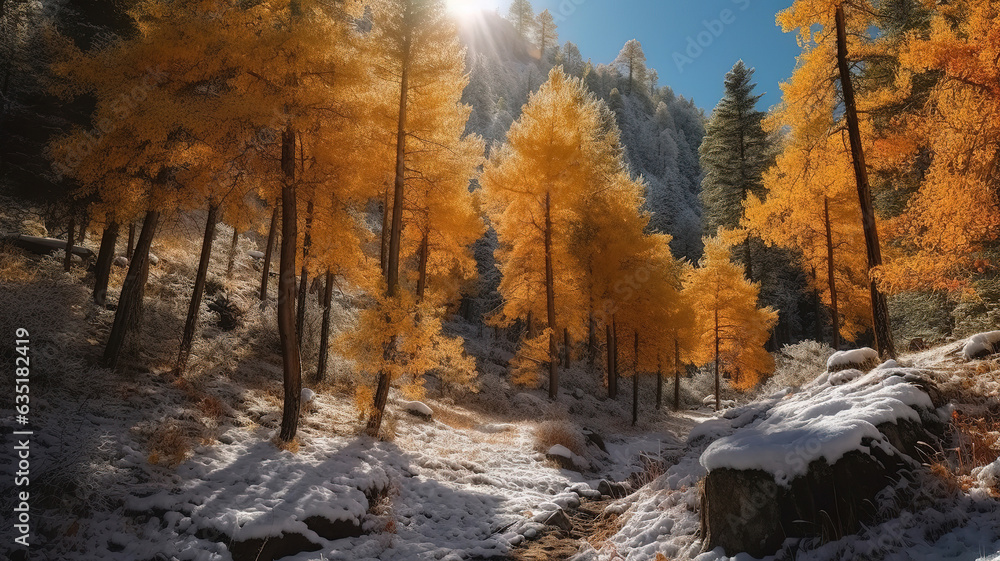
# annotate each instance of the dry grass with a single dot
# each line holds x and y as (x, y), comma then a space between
(977, 439)
(212, 407)
(549, 433)
(15, 266)
(169, 446)
(455, 419)
(290, 446)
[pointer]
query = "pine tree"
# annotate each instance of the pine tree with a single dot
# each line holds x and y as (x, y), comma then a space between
(548, 39)
(731, 328)
(734, 152)
(522, 15)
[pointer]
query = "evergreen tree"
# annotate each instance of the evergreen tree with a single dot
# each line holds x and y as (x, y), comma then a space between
(547, 36)
(522, 15)
(735, 152)
(632, 61)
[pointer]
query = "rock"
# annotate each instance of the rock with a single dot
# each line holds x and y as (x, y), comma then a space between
(748, 511)
(418, 409)
(561, 456)
(153, 259)
(864, 358)
(307, 396)
(559, 519)
(254, 254)
(594, 439)
(613, 490)
(579, 393)
(981, 345)
(334, 530)
(120, 261)
(270, 549)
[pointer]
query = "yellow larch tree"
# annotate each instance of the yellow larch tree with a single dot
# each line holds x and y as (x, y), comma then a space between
(833, 34)
(430, 214)
(953, 217)
(810, 207)
(534, 187)
(731, 329)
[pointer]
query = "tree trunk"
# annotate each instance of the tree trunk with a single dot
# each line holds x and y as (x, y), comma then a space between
(84, 225)
(70, 233)
(191, 324)
(272, 233)
(591, 339)
(105, 258)
(659, 383)
(677, 375)
(613, 376)
(531, 324)
(300, 314)
(566, 348)
(324, 338)
(290, 359)
(749, 259)
(550, 303)
(131, 240)
(384, 246)
(395, 234)
(232, 253)
(635, 380)
(129, 310)
(880, 310)
(422, 269)
(834, 312)
(718, 389)
(609, 337)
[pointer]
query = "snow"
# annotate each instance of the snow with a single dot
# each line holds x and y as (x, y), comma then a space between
(824, 423)
(981, 343)
(562, 451)
(852, 358)
(417, 407)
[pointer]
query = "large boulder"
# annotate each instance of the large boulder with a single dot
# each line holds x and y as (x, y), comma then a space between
(815, 464)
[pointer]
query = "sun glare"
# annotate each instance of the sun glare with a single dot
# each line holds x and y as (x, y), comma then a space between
(467, 8)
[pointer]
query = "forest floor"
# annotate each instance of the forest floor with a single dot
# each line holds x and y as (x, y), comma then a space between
(140, 465)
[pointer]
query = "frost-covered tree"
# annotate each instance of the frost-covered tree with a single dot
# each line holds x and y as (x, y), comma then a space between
(632, 61)
(545, 25)
(522, 15)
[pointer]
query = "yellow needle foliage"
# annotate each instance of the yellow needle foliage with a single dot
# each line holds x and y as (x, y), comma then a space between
(727, 318)
(942, 231)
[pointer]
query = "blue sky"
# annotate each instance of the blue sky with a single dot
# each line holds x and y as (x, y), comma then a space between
(692, 44)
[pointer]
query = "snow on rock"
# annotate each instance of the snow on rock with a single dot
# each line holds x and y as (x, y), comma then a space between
(989, 475)
(307, 395)
(981, 345)
(856, 358)
(825, 423)
(560, 450)
(844, 376)
(418, 408)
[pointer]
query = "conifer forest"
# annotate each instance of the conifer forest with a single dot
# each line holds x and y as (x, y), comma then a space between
(467, 280)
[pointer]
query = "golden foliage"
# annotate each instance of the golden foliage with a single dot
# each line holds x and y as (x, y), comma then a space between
(727, 317)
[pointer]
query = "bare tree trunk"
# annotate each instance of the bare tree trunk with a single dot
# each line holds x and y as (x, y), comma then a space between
(834, 312)
(566, 348)
(70, 233)
(659, 382)
(422, 278)
(324, 338)
(105, 258)
(300, 314)
(130, 301)
(131, 240)
(550, 303)
(880, 310)
(635, 380)
(290, 358)
(591, 339)
(608, 336)
(718, 389)
(384, 247)
(677, 375)
(232, 253)
(272, 233)
(613, 375)
(395, 234)
(191, 323)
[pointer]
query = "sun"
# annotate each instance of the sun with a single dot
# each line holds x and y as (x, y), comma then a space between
(468, 8)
